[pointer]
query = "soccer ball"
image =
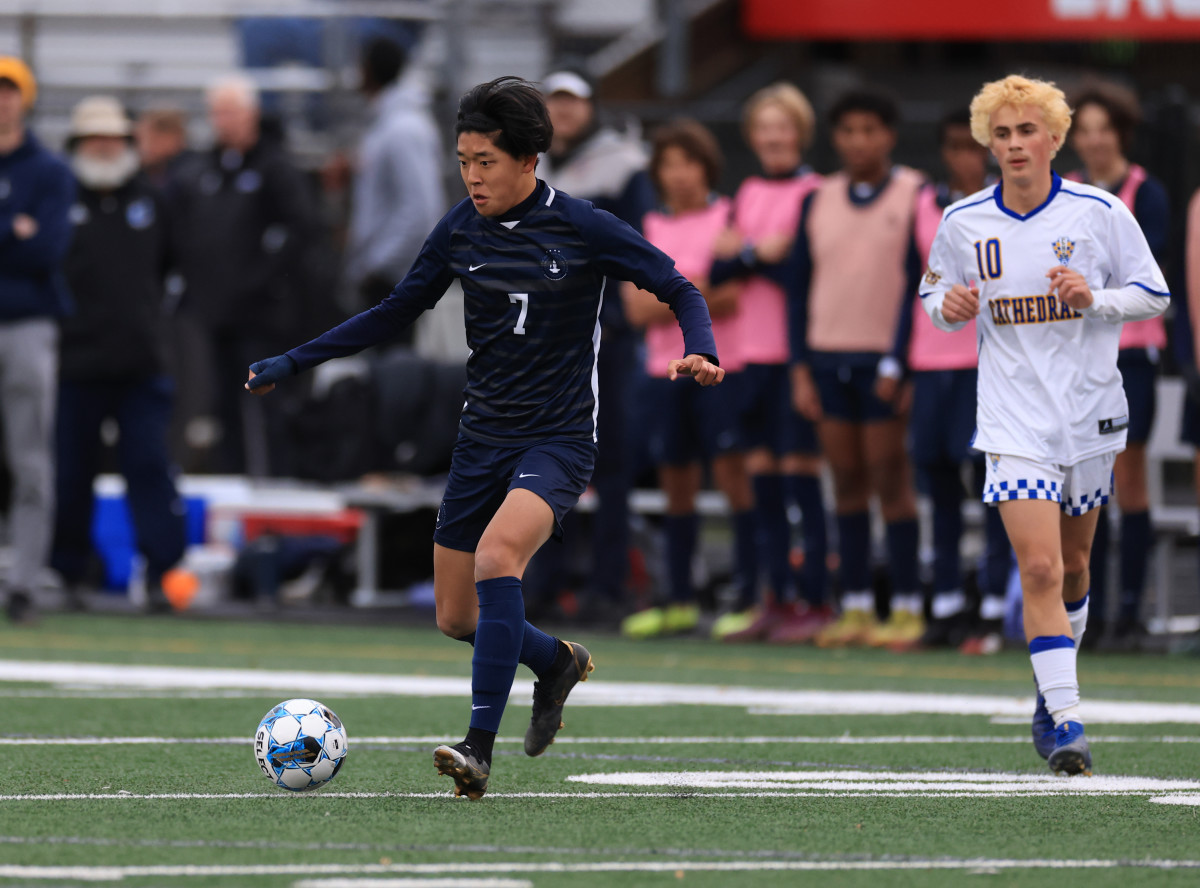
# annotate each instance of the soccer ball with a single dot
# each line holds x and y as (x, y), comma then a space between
(300, 744)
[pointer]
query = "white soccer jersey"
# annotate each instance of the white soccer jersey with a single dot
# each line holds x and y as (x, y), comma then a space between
(1049, 388)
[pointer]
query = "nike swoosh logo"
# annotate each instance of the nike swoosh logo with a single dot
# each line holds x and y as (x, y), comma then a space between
(528, 475)
(476, 267)
(474, 707)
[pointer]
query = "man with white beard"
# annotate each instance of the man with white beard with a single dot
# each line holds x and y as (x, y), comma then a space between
(112, 361)
(36, 190)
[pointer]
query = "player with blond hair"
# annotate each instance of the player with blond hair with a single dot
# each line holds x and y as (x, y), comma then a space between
(782, 451)
(1050, 270)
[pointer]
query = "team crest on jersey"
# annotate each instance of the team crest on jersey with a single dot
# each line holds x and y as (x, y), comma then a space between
(140, 214)
(995, 460)
(932, 277)
(554, 265)
(1063, 248)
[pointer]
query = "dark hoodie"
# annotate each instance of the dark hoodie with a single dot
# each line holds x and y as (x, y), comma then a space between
(37, 183)
(116, 267)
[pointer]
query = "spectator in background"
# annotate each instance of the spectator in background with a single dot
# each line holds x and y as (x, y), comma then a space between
(783, 456)
(942, 423)
(245, 217)
(398, 193)
(591, 160)
(689, 426)
(856, 265)
(112, 362)
(606, 166)
(1102, 133)
(1187, 334)
(160, 136)
(36, 191)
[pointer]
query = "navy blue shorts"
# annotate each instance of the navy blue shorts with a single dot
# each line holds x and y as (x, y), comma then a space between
(846, 384)
(691, 422)
(1190, 430)
(481, 475)
(1139, 370)
(943, 416)
(768, 419)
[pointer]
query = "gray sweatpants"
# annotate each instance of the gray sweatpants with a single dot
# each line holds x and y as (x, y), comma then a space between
(28, 386)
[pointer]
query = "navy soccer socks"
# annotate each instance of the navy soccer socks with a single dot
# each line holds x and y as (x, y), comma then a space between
(539, 651)
(680, 532)
(805, 492)
(501, 639)
(1137, 537)
(498, 639)
(854, 547)
(745, 558)
(946, 493)
(774, 532)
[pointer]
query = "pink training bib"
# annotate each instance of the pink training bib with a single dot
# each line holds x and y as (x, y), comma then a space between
(766, 207)
(688, 239)
(931, 348)
(1151, 333)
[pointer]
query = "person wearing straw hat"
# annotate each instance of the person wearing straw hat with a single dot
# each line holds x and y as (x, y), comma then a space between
(113, 364)
(36, 192)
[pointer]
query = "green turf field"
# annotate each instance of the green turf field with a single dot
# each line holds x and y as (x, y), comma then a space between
(126, 758)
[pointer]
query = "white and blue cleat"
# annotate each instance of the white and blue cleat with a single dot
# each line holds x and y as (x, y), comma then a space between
(1043, 728)
(1071, 754)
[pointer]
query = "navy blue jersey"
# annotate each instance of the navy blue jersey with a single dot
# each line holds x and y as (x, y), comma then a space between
(534, 288)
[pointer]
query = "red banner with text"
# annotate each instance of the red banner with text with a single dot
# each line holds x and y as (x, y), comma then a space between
(967, 20)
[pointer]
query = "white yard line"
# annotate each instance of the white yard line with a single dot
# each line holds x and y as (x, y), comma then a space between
(594, 693)
(838, 740)
(743, 784)
(915, 782)
(492, 868)
(413, 883)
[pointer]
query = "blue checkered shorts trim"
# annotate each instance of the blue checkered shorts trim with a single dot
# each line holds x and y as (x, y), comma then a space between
(1086, 503)
(1023, 489)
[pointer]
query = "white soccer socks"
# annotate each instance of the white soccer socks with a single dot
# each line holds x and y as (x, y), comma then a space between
(1077, 613)
(1053, 658)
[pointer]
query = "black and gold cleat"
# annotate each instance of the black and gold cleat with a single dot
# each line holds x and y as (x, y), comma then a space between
(550, 694)
(463, 763)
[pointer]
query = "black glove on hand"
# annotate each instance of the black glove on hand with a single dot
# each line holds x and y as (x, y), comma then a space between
(271, 370)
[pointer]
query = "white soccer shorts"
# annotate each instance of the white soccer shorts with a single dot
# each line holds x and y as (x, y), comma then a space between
(1077, 489)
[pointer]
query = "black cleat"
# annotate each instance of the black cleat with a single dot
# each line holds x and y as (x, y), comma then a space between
(462, 762)
(944, 633)
(550, 694)
(19, 609)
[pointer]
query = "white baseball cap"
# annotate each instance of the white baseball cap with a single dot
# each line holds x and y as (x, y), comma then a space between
(566, 82)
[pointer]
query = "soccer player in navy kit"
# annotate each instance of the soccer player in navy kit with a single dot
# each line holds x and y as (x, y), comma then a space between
(532, 262)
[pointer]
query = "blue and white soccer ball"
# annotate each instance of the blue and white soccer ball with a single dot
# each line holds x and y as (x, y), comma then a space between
(300, 744)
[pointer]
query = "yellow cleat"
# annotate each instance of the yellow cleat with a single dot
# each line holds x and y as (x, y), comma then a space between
(734, 623)
(902, 631)
(851, 628)
(680, 618)
(645, 624)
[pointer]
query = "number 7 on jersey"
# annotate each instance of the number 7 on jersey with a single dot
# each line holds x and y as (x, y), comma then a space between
(523, 299)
